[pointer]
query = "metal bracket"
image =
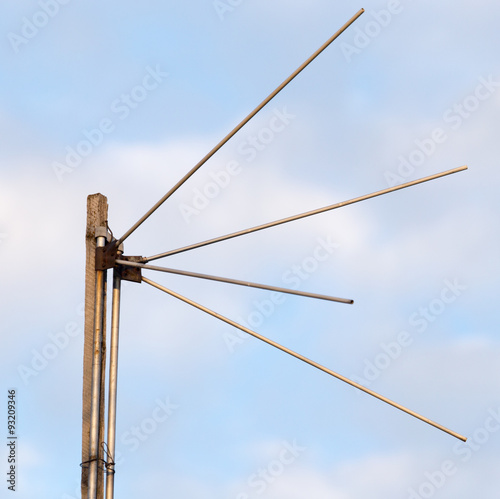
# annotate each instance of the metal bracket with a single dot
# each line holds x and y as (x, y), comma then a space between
(132, 274)
(105, 256)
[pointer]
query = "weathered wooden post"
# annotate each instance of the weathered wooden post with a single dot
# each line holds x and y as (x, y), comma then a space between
(94, 355)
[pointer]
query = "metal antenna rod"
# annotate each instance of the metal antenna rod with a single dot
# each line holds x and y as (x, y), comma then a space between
(303, 215)
(113, 377)
(234, 281)
(99, 319)
(239, 127)
(304, 359)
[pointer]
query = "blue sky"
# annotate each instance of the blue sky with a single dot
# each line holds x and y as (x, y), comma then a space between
(124, 99)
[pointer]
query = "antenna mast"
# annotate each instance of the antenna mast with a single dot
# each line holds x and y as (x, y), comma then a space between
(104, 252)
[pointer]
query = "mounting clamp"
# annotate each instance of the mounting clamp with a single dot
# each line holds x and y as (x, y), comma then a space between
(105, 256)
(132, 274)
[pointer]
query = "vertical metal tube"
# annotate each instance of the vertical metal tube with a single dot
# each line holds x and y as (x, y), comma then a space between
(113, 374)
(96, 377)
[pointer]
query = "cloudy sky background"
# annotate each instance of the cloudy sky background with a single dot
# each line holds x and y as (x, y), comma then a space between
(358, 112)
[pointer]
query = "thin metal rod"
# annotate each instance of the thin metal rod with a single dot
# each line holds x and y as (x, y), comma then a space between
(304, 359)
(113, 377)
(303, 215)
(239, 126)
(234, 281)
(96, 378)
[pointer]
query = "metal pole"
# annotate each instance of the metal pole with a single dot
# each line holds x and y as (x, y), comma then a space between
(304, 215)
(113, 374)
(240, 125)
(304, 359)
(99, 319)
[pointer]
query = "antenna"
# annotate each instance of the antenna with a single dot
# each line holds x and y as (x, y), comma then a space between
(301, 357)
(104, 252)
(240, 125)
(304, 215)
